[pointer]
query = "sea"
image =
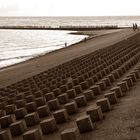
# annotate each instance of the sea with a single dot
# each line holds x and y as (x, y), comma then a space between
(20, 45)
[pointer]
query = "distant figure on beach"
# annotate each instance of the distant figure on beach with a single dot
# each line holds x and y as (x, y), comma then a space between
(135, 27)
(65, 44)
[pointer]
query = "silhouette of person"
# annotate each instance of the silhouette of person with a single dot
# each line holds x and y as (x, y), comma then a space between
(133, 26)
(136, 27)
(65, 44)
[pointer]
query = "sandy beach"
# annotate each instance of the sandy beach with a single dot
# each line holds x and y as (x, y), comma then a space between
(117, 66)
(29, 68)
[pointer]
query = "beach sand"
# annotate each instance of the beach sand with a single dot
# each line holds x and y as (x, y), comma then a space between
(34, 66)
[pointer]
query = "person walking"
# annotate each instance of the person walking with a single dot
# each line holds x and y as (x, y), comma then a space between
(136, 27)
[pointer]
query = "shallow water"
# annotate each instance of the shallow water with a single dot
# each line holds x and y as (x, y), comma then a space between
(20, 45)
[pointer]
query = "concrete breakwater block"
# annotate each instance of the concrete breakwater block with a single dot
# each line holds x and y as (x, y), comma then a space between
(18, 128)
(5, 135)
(71, 134)
(90, 81)
(53, 104)
(84, 85)
(49, 96)
(107, 81)
(40, 101)
(88, 94)
(63, 98)
(129, 81)
(31, 107)
(48, 126)
(32, 119)
(118, 91)
(78, 89)
(111, 97)
(111, 78)
(56, 92)
(61, 116)
(95, 113)
(123, 85)
(71, 93)
(6, 121)
(2, 113)
(96, 89)
(9, 109)
(81, 101)
(63, 88)
(132, 75)
(102, 85)
(20, 113)
(116, 74)
(34, 134)
(20, 103)
(84, 124)
(137, 74)
(71, 107)
(104, 104)
(30, 98)
(43, 111)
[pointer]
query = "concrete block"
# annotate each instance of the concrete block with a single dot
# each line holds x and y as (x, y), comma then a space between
(71, 93)
(6, 121)
(71, 107)
(111, 97)
(129, 81)
(78, 89)
(89, 95)
(63, 98)
(18, 128)
(20, 103)
(84, 124)
(31, 107)
(32, 119)
(5, 135)
(2, 113)
(32, 135)
(95, 113)
(118, 91)
(9, 109)
(96, 89)
(71, 134)
(104, 104)
(48, 126)
(61, 116)
(81, 101)
(53, 104)
(20, 113)
(40, 101)
(49, 96)
(123, 85)
(43, 111)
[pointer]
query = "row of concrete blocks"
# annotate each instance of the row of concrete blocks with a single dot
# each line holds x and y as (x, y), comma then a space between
(60, 98)
(64, 99)
(123, 88)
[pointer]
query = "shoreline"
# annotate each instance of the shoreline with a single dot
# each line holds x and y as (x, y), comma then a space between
(91, 34)
(20, 71)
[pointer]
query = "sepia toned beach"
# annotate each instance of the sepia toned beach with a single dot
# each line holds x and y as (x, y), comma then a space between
(69, 70)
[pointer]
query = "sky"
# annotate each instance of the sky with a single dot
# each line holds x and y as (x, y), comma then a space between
(69, 7)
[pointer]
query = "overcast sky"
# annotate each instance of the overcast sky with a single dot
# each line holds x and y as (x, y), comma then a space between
(69, 7)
